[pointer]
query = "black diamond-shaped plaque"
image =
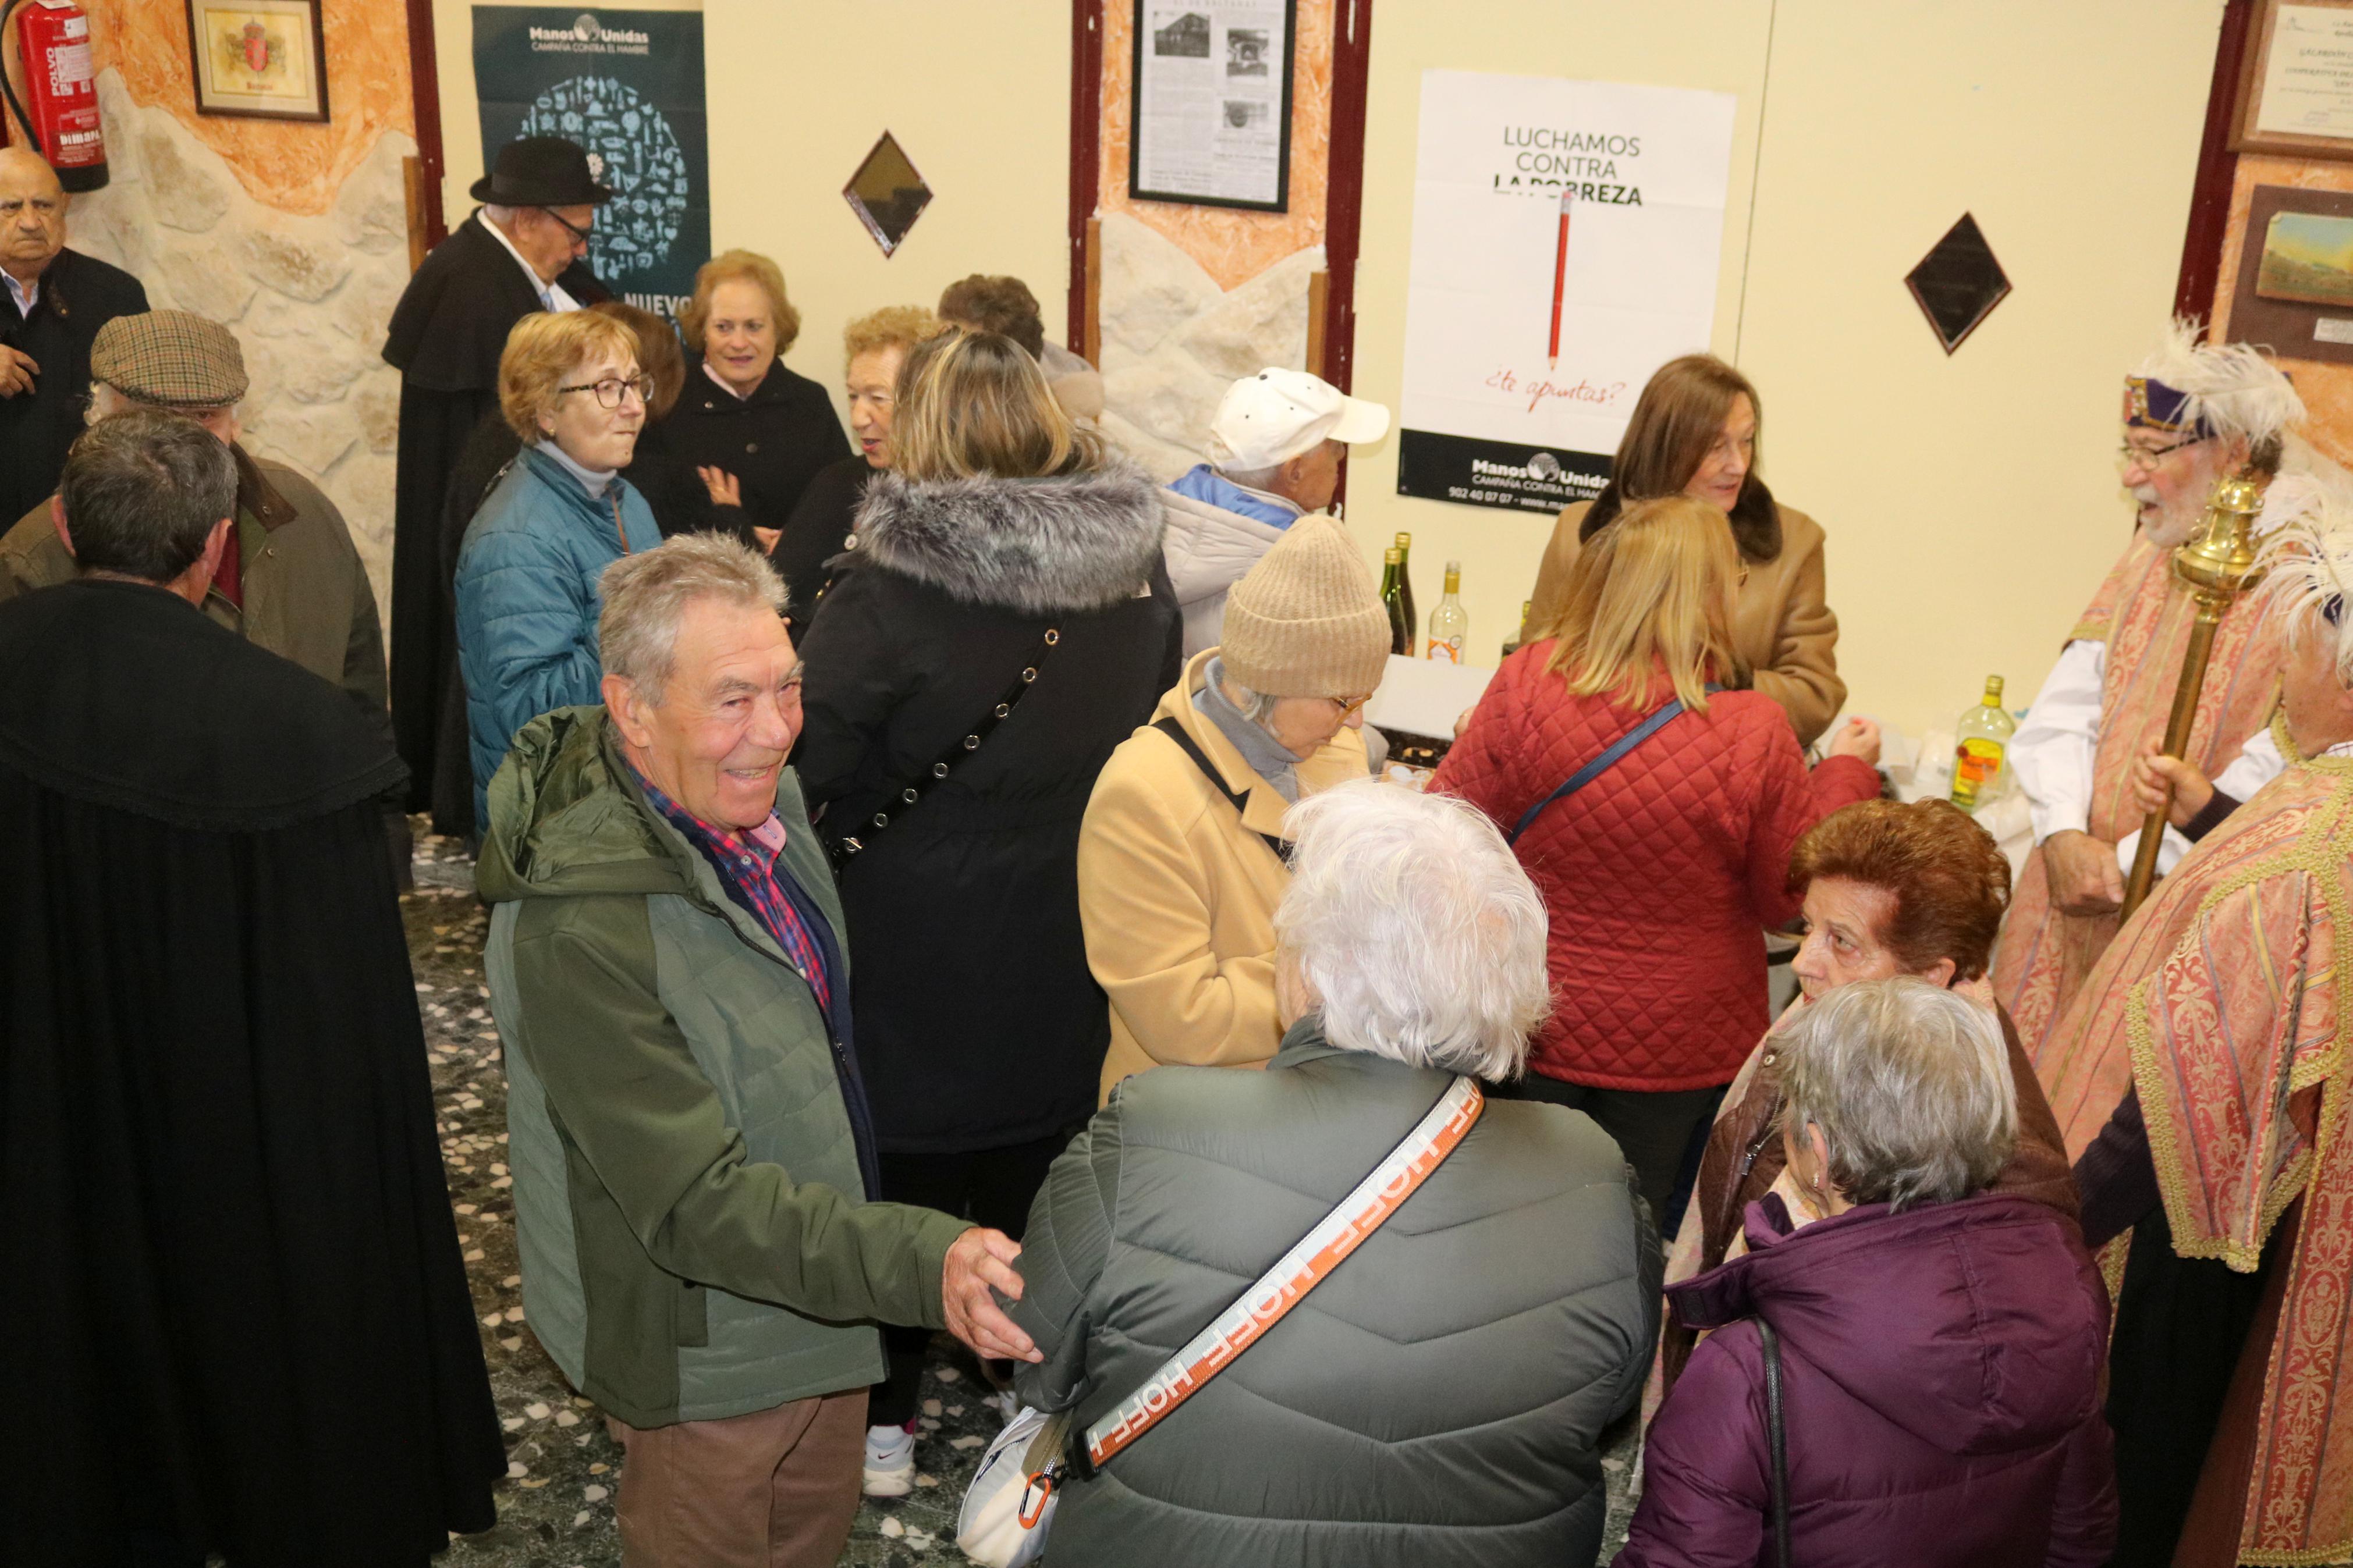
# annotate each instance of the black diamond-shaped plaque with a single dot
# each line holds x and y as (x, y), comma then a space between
(1958, 283)
(887, 194)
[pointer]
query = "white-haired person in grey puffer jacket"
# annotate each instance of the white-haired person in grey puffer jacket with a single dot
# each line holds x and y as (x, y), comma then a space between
(1439, 1400)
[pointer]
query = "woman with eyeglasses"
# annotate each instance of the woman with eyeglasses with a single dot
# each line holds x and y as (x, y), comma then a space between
(571, 387)
(1181, 861)
(1661, 865)
(1693, 432)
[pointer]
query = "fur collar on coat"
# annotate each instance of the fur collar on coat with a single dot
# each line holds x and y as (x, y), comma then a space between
(1756, 519)
(1077, 541)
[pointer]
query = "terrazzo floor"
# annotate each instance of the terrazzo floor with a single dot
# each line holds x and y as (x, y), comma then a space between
(555, 1508)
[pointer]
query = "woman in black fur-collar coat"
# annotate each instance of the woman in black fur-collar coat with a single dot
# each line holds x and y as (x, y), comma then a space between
(979, 1030)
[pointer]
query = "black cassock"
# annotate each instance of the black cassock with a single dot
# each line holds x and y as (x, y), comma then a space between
(445, 339)
(233, 1315)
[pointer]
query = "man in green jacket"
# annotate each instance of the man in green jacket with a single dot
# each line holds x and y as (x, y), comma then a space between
(688, 1131)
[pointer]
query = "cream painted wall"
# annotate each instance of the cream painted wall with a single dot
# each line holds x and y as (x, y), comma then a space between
(1971, 502)
(977, 93)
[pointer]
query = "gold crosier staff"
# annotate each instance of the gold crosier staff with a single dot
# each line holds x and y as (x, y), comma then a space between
(2216, 565)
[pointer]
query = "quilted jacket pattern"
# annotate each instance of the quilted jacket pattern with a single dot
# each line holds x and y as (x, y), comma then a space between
(1658, 875)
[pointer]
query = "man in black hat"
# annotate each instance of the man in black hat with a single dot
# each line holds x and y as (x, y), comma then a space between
(521, 251)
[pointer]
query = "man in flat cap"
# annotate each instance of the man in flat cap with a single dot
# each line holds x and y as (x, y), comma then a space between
(522, 250)
(290, 578)
(53, 302)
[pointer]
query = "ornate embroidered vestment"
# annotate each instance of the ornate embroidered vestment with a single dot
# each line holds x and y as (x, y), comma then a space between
(2220, 1004)
(2144, 616)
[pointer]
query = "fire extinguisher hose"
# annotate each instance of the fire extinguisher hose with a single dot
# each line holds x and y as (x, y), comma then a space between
(8, 88)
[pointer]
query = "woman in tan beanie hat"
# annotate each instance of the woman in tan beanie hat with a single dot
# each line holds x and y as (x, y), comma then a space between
(1180, 858)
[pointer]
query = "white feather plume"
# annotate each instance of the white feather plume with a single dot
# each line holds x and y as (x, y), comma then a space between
(2307, 558)
(2233, 387)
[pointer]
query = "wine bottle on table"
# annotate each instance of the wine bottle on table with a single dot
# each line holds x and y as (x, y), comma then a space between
(1405, 587)
(1393, 601)
(1982, 750)
(1450, 624)
(1519, 637)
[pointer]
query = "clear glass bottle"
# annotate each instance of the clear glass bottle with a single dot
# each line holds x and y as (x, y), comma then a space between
(1981, 750)
(1450, 626)
(1393, 601)
(1405, 588)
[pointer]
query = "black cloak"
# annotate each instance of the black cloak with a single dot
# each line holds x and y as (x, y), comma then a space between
(233, 1316)
(446, 336)
(78, 295)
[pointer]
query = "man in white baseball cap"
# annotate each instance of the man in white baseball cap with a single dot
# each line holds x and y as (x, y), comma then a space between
(1274, 456)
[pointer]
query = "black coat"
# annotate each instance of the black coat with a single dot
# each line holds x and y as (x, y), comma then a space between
(446, 336)
(774, 442)
(978, 1023)
(78, 295)
(818, 531)
(235, 1315)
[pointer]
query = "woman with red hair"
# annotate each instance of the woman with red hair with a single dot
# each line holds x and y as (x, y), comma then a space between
(1889, 890)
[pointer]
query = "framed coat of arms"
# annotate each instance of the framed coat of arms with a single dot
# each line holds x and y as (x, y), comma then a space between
(263, 59)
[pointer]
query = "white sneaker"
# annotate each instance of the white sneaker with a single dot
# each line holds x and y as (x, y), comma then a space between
(890, 1461)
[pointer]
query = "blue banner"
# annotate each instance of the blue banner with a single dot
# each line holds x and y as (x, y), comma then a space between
(626, 85)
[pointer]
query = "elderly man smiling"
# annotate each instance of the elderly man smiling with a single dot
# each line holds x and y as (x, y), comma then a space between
(689, 1137)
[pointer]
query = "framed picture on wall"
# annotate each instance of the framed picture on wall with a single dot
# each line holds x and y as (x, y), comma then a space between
(259, 60)
(2294, 293)
(2295, 89)
(1212, 103)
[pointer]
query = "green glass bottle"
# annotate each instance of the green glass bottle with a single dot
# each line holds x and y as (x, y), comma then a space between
(1405, 587)
(1393, 601)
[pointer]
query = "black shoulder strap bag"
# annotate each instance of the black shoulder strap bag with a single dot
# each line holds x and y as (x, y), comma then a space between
(1777, 1442)
(902, 798)
(1191, 747)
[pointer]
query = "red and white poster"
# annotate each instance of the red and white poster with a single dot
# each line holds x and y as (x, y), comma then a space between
(1566, 237)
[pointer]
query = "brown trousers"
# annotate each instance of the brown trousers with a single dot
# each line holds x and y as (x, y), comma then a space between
(777, 1488)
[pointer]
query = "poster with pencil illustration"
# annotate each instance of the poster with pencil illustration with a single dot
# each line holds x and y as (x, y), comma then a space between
(1566, 237)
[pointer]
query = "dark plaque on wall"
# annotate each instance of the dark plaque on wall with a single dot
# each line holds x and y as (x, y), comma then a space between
(1959, 283)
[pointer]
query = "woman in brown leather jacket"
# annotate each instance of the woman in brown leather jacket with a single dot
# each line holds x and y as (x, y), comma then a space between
(1693, 431)
(1889, 889)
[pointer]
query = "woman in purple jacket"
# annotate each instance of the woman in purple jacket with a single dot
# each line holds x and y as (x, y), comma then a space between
(1939, 1345)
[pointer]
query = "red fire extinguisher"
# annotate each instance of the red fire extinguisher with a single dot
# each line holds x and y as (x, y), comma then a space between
(53, 53)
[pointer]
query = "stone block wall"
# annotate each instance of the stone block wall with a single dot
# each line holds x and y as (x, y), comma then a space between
(308, 296)
(1173, 341)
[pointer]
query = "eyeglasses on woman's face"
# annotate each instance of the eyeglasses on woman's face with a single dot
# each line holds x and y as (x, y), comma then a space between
(611, 389)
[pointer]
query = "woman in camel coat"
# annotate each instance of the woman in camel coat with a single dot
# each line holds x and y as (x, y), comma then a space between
(1694, 433)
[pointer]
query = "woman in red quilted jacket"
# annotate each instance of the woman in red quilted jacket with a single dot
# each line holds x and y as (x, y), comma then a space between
(1659, 872)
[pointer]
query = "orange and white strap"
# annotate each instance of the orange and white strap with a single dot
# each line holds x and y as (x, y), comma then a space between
(1297, 1272)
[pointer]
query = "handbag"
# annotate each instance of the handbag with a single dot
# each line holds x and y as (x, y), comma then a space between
(1610, 758)
(1010, 1505)
(1777, 1442)
(901, 797)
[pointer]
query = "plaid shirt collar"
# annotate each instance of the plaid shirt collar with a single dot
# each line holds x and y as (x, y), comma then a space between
(747, 866)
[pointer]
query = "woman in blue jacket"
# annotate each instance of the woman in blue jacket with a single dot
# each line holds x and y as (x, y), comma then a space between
(528, 597)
